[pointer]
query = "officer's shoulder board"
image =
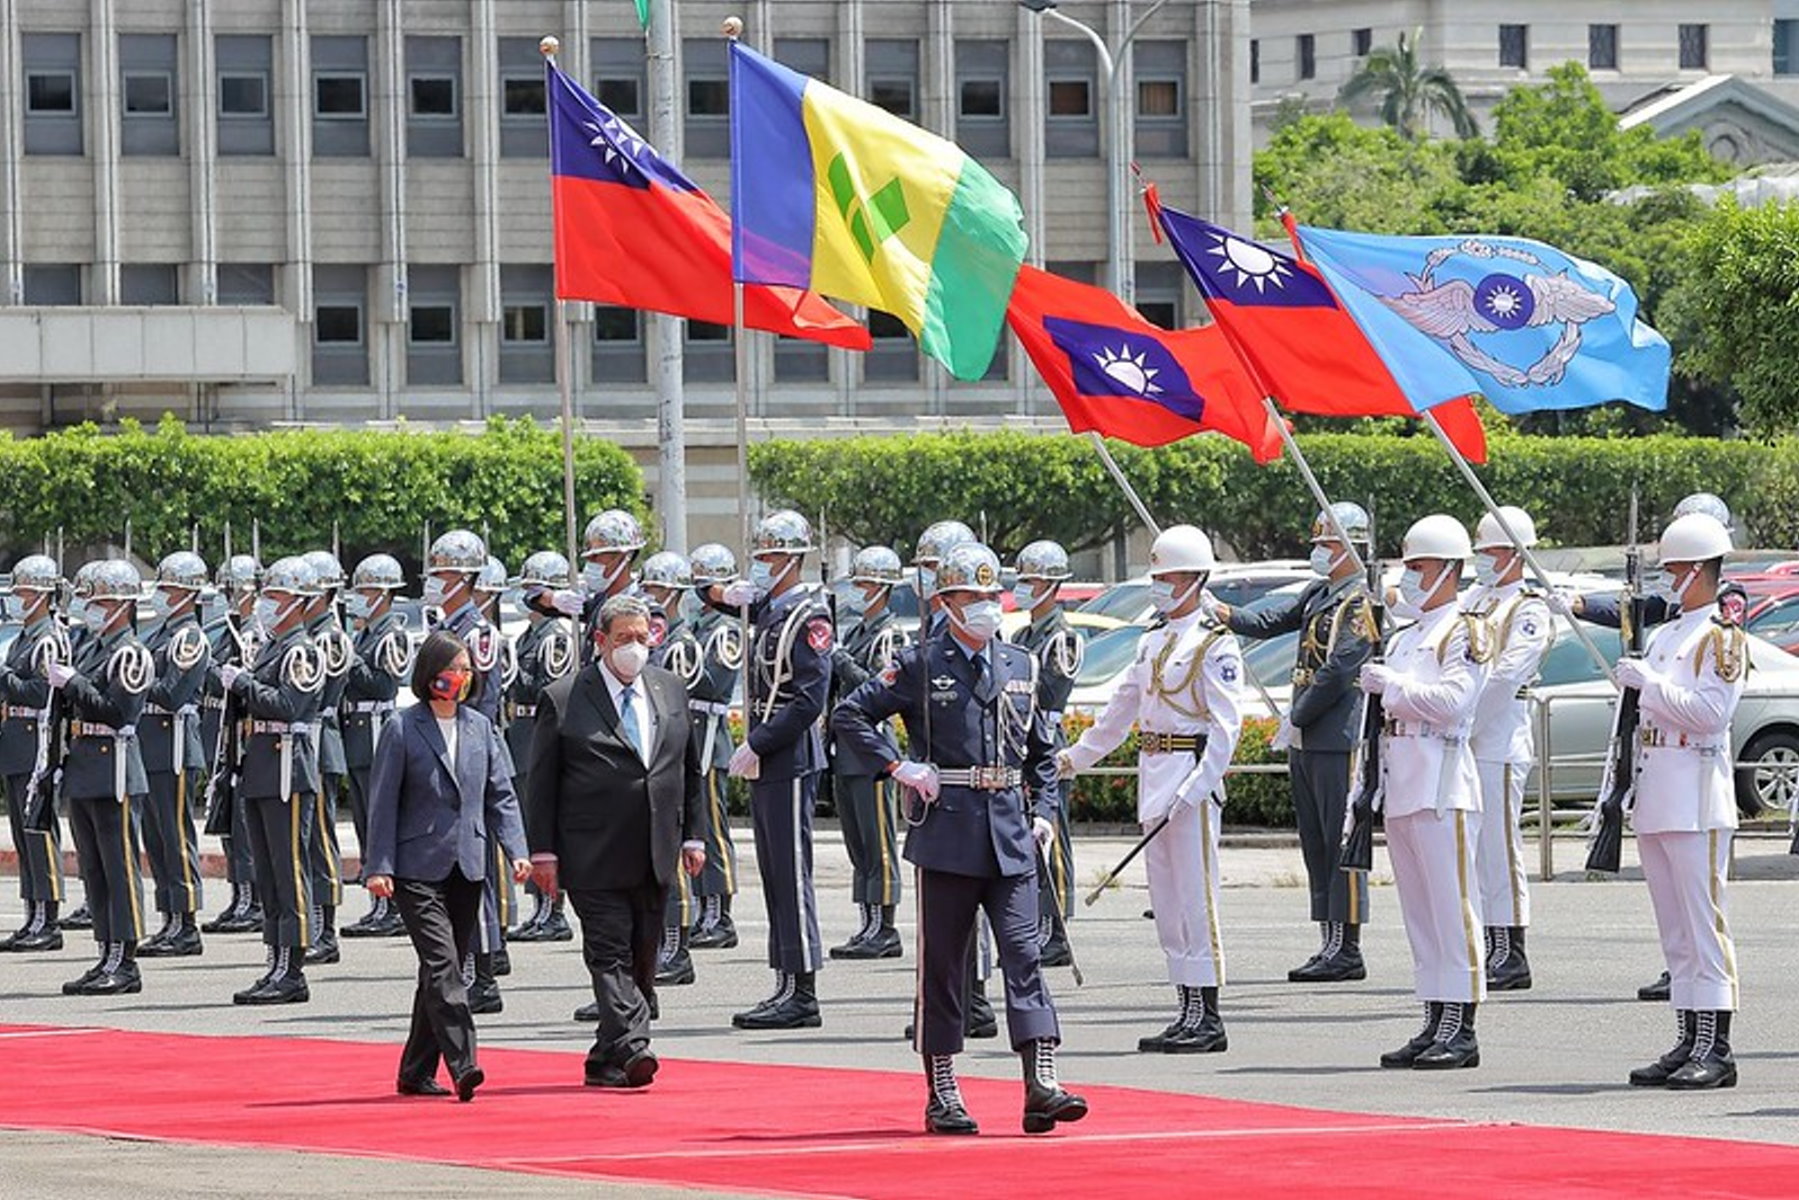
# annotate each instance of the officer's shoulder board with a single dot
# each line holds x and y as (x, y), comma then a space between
(1726, 647)
(132, 667)
(303, 667)
(188, 647)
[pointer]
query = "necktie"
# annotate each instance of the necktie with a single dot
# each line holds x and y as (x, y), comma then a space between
(627, 721)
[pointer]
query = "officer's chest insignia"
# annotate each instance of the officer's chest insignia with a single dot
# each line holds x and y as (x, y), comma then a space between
(1528, 626)
(943, 688)
(1021, 687)
(819, 635)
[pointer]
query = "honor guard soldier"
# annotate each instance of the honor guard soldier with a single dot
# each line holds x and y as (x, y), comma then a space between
(1689, 682)
(380, 661)
(609, 545)
(452, 568)
(323, 856)
(1041, 569)
(78, 587)
(169, 739)
(782, 756)
(234, 637)
(103, 770)
(1504, 749)
(500, 907)
(25, 744)
(545, 652)
(1430, 684)
(866, 800)
(709, 700)
(1335, 622)
(1182, 694)
(278, 695)
(985, 778)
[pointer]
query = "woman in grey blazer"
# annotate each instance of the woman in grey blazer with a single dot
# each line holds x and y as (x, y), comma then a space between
(441, 780)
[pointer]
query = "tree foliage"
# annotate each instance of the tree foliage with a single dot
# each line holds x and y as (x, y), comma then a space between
(1744, 297)
(1406, 93)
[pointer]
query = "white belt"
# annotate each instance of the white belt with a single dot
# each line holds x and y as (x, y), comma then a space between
(371, 706)
(983, 779)
(709, 707)
(1395, 728)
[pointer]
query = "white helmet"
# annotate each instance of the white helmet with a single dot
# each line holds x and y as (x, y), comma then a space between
(1436, 536)
(1489, 536)
(1696, 537)
(1181, 548)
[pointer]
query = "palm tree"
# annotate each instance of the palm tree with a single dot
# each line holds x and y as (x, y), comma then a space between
(1409, 93)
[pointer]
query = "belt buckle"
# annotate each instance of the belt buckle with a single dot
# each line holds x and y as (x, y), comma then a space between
(990, 779)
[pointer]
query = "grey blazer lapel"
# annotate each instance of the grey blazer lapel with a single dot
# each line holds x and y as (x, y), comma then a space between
(660, 724)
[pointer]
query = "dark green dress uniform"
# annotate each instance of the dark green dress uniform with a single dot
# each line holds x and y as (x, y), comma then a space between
(233, 645)
(104, 782)
(381, 656)
(545, 652)
(867, 801)
(24, 701)
(169, 739)
(1058, 649)
(324, 859)
(709, 701)
(1336, 624)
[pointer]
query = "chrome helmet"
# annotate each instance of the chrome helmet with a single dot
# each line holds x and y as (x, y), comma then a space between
(969, 567)
(712, 564)
(325, 567)
(666, 569)
(937, 540)
(183, 569)
(381, 571)
(1352, 516)
(546, 568)
(458, 550)
(238, 573)
(292, 574)
(492, 579)
(613, 530)
(35, 573)
(1043, 560)
(783, 532)
(877, 564)
(114, 579)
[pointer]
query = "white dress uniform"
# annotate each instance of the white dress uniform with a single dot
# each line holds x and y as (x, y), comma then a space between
(1185, 683)
(1684, 810)
(1435, 671)
(1504, 746)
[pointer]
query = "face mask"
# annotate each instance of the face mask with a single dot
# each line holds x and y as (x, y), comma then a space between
(855, 601)
(78, 611)
(1322, 560)
(927, 580)
(629, 660)
(981, 620)
(436, 591)
(595, 578)
(451, 685)
(1025, 596)
(160, 605)
(1667, 585)
(95, 617)
(1161, 594)
(1486, 570)
(358, 606)
(267, 611)
(763, 575)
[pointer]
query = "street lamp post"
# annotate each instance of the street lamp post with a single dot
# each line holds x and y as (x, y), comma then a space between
(1120, 126)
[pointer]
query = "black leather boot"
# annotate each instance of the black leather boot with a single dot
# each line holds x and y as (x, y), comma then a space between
(373, 922)
(555, 925)
(1508, 970)
(80, 918)
(530, 929)
(1655, 991)
(1711, 1064)
(285, 983)
(1185, 1017)
(119, 975)
(675, 965)
(1339, 960)
(181, 941)
(718, 932)
(1657, 1073)
(868, 925)
(483, 988)
(979, 1020)
(77, 986)
(1046, 1103)
(1421, 1041)
(944, 1111)
(324, 948)
(1207, 1036)
(793, 1006)
(1455, 1047)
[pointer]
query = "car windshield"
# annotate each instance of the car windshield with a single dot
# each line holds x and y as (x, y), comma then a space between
(1121, 602)
(1568, 660)
(1272, 658)
(1109, 653)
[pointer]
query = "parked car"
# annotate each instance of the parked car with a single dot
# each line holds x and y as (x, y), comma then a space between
(1237, 583)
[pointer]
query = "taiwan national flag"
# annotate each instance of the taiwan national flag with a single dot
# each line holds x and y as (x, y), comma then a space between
(1296, 337)
(631, 230)
(1116, 374)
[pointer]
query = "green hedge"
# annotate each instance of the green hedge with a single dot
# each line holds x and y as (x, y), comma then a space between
(887, 489)
(380, 488)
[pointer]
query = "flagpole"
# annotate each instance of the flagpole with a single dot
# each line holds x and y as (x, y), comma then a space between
(1124, 484)
(564, 370)
(671, 386)
(1536, 568)
(732, 30)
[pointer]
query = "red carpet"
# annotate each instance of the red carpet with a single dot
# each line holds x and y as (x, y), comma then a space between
(798, 1131)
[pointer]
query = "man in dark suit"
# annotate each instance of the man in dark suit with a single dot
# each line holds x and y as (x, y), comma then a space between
(613, 811)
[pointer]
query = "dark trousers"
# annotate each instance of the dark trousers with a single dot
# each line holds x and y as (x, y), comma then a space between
(171, 841)
(323, 860)
(109, 870)
(1320, 794)
(40, 850)
(240, 866)
(781, 813)
(947, 905)
(870, 815)
(621, 930)
(439, 916)
(358, 779)
(720, 876)
(280, 832)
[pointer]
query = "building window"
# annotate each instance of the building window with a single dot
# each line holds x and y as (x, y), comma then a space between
(617, 324)
(432, 325)
(246, 283)
(337, 325)
(149, 93)
(339, 97)
(1305, 56)
(894, 95)
(1255, 60)
(892, 68)
(149, 283)
(525, 324)
(893, 357)
(1694, 47)
(1070, 98)
(243, 95)
(50, 92)
(1158, 97)
(1514, 46)
(1361, 42)
(983, 70)
(1602, 47)
(52, 284)
(622, 96)
(1786, 47)
(981, 98)
(432, 96)
(708, 97)
(523, 96)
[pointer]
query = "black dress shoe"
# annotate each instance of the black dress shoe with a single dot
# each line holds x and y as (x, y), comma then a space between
(369, 925)
(555, 928)
(589, 1012)
(794, 1012)
(981, 1022)
(1045, 1108)
(323, 952)
(676, 972)
(125, 980)
(1406, 1055)
(81, 918)
(882, 943)
(640, 1069)
(419, 1087)
(528, 931)
(184, 943)
(467, 1082)
(1659, 990)
(1056, 953)
(720, 936)
(606, 1077)
(47, 938)
(289, 989)
(248, 921)
(484, 998)
(74, 986)
(941, 1117)
(1344, 965)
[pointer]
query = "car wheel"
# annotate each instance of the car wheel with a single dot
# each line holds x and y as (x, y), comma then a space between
(1771, 780)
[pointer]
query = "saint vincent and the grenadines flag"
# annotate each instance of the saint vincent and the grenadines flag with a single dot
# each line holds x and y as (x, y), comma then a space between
(632, 230)
(831, 193)
(1116, 374)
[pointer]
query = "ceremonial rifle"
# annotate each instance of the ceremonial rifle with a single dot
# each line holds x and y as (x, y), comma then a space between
(39, 811)
(1358, 841)
(1607, 848)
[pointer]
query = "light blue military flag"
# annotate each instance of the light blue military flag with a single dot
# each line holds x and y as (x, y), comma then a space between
(1521, 323)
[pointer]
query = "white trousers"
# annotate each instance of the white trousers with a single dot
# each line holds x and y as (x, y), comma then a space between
(1433, 869)
(1685, 873)
(1499, 846)
(1182, 862)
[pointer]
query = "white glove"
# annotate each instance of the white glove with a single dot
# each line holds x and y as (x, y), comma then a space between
(738, 594)
(1065, 768)
(745, 762)
(1043, 832)
(1283, 735)
(58, 674)
(1635, 673)
(567, 601)
(921, 777)
(1374, 679)
(1211, 607)
(228, 675)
